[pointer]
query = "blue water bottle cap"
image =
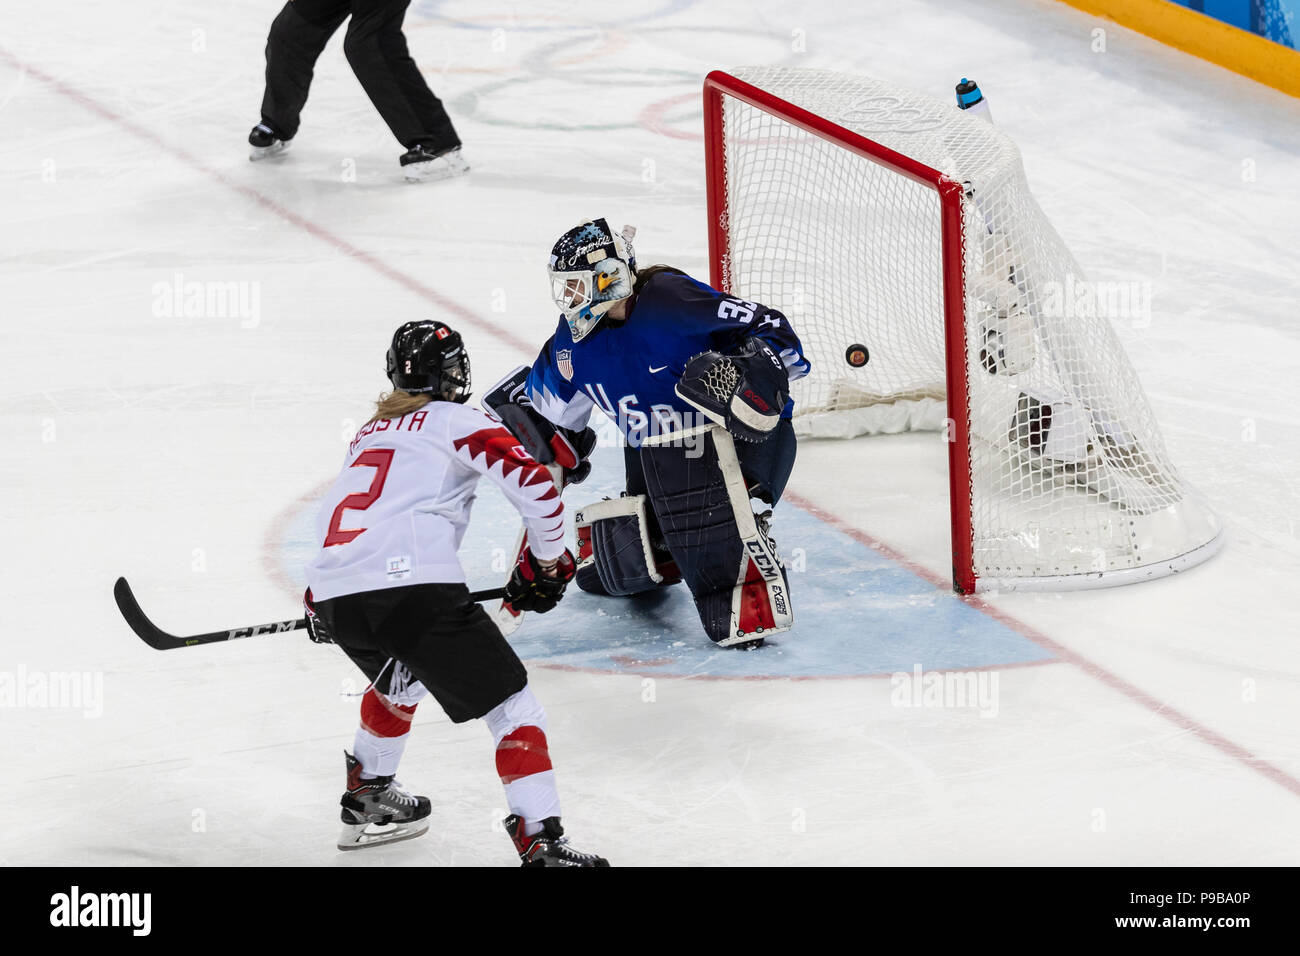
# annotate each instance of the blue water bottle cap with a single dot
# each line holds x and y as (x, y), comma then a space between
(968, 93)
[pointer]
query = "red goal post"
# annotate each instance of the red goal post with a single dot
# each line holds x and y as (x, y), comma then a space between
(1102, 507)
(716, 85)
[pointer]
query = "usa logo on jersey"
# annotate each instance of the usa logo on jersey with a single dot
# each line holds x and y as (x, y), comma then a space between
(564, 362)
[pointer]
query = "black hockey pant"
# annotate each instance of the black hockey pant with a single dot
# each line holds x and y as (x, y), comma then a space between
(375, 48)
(435, 632)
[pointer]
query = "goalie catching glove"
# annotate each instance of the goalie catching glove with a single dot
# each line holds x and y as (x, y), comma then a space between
(744, 392)
(531, 588)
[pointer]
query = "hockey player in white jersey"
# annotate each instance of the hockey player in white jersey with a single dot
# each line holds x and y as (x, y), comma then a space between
(387, 588)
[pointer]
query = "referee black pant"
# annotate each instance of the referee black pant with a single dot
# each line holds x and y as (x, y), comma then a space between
(375, 48)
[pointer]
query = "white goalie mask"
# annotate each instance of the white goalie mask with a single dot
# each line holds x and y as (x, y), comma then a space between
(591, 268)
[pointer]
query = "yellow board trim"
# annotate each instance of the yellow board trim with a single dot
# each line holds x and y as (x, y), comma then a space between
(1238, 50)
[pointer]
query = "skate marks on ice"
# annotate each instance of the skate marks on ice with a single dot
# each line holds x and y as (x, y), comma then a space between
(858, 612)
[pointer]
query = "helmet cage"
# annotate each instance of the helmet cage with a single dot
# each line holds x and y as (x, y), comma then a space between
(585, 295)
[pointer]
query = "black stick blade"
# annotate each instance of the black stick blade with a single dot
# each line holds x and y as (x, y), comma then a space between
(160, 640)
(135, 617)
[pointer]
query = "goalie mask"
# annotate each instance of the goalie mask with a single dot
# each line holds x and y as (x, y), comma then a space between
(429, 356)
(591, 268)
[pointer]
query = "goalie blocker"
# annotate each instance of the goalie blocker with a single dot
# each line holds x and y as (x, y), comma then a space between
(716, 543)
(545, 443)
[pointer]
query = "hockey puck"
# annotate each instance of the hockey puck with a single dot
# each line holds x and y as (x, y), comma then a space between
(857, 355)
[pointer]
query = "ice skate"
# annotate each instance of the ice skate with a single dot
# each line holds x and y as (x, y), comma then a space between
(379, 811)
(264, 142)
(420, 164)
(548, 846)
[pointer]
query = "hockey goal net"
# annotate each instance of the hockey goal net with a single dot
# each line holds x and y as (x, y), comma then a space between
(899, 235)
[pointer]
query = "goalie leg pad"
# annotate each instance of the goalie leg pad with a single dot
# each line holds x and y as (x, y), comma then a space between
(614, 553)
(729, 563)
(751, 611)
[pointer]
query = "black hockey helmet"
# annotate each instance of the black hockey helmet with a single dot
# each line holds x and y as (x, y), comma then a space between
(429, 356)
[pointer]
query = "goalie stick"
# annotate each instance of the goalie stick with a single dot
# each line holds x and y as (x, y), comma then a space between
(160, 640)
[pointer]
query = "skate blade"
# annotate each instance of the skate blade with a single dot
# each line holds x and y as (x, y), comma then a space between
(361, 836)
(435, 170)
(266, 152)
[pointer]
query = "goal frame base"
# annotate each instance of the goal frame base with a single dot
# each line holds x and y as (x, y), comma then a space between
(1096, 580)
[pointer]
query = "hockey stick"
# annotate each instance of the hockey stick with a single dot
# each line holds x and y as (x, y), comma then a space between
(160, 640)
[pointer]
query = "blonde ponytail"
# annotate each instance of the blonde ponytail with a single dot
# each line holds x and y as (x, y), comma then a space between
(397, 403)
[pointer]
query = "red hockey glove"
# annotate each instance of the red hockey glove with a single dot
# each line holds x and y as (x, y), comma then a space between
(531, 589)
(316, 628)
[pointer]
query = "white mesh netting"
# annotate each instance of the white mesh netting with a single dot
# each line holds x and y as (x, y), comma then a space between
(1070, 481)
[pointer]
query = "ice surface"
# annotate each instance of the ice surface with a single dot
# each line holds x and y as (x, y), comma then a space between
(1152, 724)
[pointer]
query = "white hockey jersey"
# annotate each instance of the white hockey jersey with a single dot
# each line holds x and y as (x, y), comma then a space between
(397, 512)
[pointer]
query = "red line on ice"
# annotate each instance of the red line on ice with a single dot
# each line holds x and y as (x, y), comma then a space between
(793, 678)
(1094, 670)
(288, 215)
(654, 118)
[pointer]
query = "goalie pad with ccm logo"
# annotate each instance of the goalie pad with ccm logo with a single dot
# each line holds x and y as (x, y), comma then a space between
(722, 549)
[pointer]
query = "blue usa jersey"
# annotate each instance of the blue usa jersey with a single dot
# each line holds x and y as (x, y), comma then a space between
(629, 370)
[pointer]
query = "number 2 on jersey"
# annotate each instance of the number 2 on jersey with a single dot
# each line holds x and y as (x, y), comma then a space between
(380, 459)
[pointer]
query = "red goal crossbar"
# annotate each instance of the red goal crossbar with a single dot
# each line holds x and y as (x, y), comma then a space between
(719, 84)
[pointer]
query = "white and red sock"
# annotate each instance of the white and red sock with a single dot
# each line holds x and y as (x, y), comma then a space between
(518, 725)
(381, 738)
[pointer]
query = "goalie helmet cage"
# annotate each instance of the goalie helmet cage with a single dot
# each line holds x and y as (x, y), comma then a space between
(895, 228)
